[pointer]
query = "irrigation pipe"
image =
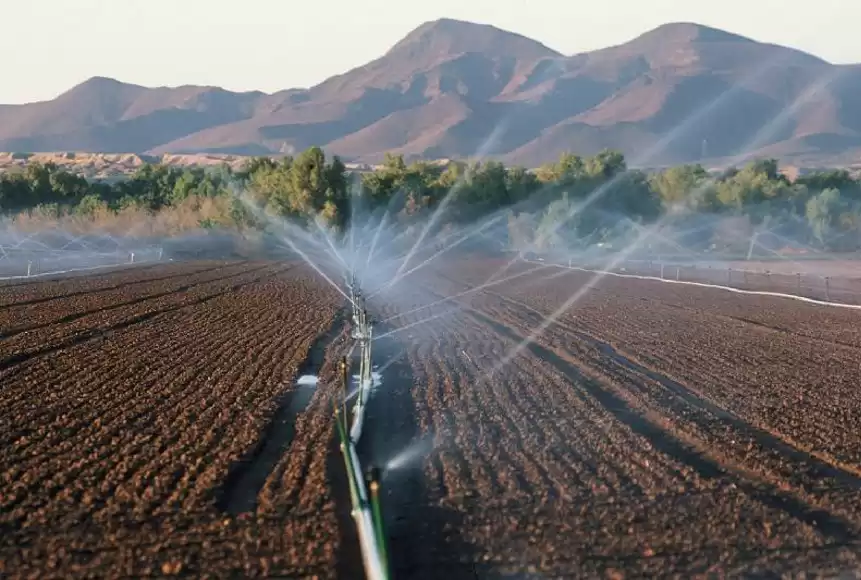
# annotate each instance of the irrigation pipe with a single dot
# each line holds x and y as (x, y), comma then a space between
(366, 512)
(375, 567)
(84, 269)
(358, 416)
(373, 562)
(715, 286)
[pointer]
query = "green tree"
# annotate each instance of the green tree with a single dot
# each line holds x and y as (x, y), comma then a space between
(607, 164)
(520, 184)
(756, 190)
(554, 230)
(568, 169)
(308, 182)
(90, 204)
(675, 186)
(831, 218)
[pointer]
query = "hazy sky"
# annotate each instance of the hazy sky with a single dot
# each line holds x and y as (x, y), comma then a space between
(47, 46)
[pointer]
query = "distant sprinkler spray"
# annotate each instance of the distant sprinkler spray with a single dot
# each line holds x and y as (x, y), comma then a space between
(363, 335)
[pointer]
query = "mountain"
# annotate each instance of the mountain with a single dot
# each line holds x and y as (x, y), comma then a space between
(679, 93)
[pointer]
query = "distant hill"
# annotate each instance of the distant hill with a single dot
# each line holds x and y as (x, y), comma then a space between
(679, 93)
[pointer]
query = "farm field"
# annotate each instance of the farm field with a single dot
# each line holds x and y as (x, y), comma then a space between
(653, 429)
(129, 399)
(151, 425)
(828, 280)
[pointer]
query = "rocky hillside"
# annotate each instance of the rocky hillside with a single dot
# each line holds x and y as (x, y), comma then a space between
(679, 93)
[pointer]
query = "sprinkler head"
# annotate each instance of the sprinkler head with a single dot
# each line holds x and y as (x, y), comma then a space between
(373, 474)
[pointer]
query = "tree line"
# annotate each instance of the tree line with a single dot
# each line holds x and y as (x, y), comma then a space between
(574, 200)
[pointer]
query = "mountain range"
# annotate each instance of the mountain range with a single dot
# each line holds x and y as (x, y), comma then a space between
(680, 93)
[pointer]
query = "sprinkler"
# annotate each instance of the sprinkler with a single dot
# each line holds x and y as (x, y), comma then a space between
(363, 335)
(373, 476)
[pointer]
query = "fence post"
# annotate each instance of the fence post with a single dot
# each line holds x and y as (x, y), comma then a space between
(827, 289)
(799, 282)
(662, 270)
(29, 267)
(729, 277)
(678, 271)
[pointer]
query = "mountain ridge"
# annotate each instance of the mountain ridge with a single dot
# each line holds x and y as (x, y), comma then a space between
(681, 92)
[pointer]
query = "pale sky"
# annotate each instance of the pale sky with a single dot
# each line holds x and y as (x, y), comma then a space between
(48, 46)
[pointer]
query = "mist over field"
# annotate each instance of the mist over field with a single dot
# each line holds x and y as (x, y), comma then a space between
(576, 206)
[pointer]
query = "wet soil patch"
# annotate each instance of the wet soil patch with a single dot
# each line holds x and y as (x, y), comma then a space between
(422, 536)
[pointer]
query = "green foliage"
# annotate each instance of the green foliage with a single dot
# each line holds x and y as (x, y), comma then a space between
(90, 204)
(572, 200)
(834, 219)
(675, 185)
(307, 188)
(553, 230)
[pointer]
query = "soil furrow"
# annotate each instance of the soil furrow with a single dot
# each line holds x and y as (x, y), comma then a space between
(246, 480)
(182, 271)
(97, 333)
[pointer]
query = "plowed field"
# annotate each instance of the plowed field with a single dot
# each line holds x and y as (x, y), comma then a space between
(139, 411)
(647, 430)
(151, 424)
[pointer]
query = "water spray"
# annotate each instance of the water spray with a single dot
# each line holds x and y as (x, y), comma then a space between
(363, 335)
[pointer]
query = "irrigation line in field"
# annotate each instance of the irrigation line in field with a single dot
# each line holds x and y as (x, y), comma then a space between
(71, 270)
(716, 286)
(369, 534)
(366, 509)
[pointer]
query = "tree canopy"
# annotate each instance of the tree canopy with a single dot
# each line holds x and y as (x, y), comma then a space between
(572, 200)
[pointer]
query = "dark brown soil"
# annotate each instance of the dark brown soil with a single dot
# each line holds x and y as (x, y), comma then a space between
(150, 425)
(135, 405)
(648, 430)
